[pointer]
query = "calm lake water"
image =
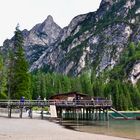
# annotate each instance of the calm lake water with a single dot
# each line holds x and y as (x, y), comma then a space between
(120, 128)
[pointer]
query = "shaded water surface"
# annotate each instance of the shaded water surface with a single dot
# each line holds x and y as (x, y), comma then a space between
(120, 128)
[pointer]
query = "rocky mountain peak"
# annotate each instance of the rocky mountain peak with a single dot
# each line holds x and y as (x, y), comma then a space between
(44, 33)
(49, 27)
(49, 19)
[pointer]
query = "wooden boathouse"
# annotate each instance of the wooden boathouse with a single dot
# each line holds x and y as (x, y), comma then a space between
(75, 105)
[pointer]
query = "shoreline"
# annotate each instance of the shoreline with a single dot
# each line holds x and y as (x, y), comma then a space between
(37, 129)
(70, 128)
(97, 133)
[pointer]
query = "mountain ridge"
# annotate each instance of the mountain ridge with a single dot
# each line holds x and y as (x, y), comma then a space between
(95, 39)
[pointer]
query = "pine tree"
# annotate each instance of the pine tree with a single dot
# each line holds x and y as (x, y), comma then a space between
(2, 80)
(57, 87)
(18, 69)
(65, 83)
(136, 97)
(127, 96)
(86, 84)
(43, 85)
(49, 85)
(75, 84)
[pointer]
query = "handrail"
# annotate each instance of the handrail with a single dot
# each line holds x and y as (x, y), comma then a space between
(57, 102)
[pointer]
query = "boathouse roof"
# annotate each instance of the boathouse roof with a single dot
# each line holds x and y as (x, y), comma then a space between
(68, 96)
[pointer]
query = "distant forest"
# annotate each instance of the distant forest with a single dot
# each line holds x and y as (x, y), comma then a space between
(16, 81)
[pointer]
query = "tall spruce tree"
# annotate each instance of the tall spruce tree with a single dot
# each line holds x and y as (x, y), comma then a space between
(2, 80)
(86, 84)
(18, 69)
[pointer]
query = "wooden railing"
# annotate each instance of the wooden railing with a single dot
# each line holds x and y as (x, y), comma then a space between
(61, 103)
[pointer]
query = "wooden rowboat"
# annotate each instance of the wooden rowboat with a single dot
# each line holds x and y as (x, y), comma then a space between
(138, 118)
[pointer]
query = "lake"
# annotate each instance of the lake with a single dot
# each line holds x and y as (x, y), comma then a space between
(119, 128)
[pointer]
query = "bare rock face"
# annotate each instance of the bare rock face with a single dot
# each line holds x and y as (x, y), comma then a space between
(107, 3)
(67, 31)
(134, 75)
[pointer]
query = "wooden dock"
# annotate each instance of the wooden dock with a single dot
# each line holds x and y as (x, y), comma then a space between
(83, 109)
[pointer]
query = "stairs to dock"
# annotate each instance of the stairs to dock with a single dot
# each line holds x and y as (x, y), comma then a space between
(122, 115)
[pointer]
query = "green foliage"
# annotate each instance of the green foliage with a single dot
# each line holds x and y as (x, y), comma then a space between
(2, 80)
(86, 84)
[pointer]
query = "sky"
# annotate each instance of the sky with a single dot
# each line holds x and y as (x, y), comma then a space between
(30, 12)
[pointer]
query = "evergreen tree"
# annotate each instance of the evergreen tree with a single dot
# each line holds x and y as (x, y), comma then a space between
(49, 85)
(2, 80)
(75, 84)
(86, 84)
(136, 98)
(127, 96)
(65, 84)
(18, 69)
(43, 85)
(57, 87)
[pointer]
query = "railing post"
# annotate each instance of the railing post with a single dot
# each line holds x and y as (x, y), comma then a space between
(42, 109)
(30, 113)
(9, 111)
(21, 109)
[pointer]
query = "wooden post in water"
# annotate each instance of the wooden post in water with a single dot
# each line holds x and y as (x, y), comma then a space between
(89, 114)
(99, 114)
(68, 113)
(86, 114)
(83, 114)
(96, 114)
(93, 115)
(107, 115)
(103, 114)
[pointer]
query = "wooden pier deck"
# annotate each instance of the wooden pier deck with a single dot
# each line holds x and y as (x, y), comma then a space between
(85, 106)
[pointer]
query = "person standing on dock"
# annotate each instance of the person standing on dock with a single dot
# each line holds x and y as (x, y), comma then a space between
(44, 98)
(22, 100)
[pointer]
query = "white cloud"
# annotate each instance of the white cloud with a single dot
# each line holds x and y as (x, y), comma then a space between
(30, 12)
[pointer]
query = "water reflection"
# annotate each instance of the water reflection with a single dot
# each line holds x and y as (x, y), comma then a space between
(120, 128)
